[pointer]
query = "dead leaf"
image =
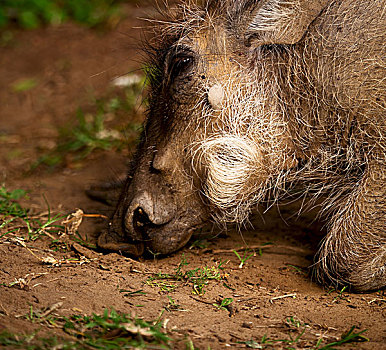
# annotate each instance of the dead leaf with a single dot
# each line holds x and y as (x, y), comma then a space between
(73, 221)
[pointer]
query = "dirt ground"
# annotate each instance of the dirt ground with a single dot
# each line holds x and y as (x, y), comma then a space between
(71, 63)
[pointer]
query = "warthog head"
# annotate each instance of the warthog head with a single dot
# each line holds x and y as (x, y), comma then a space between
(216, 136)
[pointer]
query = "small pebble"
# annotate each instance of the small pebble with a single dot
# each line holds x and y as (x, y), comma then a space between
(247, 325)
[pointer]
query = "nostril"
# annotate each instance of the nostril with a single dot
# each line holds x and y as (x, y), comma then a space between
(140, 218)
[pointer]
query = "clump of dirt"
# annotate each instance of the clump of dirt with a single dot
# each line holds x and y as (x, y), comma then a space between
(206, 295)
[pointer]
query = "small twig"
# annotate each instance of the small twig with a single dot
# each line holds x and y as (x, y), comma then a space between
(293, 295)
(37, 216)
(142, 272)
(375, 300)
(52, 308)
(202, 301)
(252, 247)
(219, 251)
(5, 311)
(95, 216)
(48, 234)
(43, 284)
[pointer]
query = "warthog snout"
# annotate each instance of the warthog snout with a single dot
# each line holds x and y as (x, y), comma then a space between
(131, 227)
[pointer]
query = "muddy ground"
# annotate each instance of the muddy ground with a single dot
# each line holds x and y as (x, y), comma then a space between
(72, 66)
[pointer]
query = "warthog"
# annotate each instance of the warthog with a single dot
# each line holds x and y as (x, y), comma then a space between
(251, 100)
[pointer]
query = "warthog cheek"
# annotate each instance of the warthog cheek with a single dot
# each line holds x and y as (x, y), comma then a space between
(233, 171)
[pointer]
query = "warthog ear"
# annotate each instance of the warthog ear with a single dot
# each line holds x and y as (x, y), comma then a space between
(275, 21)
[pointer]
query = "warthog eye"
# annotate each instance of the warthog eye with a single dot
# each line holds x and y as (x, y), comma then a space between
(179, 64)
